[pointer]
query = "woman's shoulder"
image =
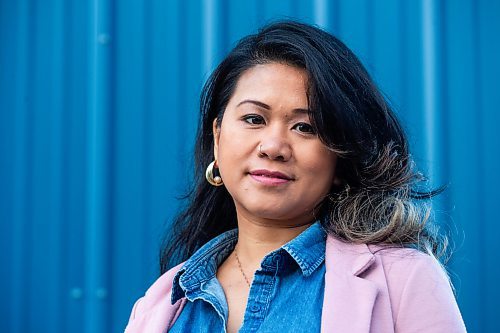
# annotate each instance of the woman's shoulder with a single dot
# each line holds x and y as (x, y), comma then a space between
(391, 256)
(401, 271)
(164, 283)
(419, 288)
(411, 285)
(402, 264)
(156, 292)
(403, 256)
(154, 311)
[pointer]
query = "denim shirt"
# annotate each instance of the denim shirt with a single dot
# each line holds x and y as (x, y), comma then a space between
(286, 293)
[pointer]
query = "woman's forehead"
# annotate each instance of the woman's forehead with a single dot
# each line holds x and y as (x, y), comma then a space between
(273, 84)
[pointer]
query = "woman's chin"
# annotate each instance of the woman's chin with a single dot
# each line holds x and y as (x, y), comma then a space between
(281, 216)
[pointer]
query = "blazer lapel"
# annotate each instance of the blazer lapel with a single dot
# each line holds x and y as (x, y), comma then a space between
(349, 299)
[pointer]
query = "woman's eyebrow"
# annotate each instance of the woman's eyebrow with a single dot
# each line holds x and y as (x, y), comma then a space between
(267, 107)
(251, 101)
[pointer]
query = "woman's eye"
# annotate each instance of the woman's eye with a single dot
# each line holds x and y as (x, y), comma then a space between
(254, 119)
(304, 128)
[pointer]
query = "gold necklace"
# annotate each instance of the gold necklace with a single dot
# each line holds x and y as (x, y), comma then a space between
(241, 269)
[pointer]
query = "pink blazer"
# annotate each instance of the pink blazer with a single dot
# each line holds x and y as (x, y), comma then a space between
(367, 289)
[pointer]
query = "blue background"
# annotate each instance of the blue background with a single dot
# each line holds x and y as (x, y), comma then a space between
(98, 110)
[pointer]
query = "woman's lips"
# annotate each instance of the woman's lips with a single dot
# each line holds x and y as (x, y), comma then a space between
(270, 177)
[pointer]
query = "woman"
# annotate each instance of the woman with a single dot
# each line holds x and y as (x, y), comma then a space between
(307, 217)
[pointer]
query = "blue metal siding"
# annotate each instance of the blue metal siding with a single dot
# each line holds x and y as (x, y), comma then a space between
(464, 150)
(98, 111)
(489, 181)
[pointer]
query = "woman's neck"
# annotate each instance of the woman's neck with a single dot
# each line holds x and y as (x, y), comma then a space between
(256, 238)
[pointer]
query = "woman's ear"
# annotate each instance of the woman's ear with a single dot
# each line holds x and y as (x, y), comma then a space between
(216, 133)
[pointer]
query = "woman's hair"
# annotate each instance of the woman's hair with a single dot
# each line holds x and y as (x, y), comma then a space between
(378, 200)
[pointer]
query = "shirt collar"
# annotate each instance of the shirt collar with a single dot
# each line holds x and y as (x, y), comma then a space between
(203, 264)
(307, 250)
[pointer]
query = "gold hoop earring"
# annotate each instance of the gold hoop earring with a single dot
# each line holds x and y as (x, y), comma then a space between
(212, 175)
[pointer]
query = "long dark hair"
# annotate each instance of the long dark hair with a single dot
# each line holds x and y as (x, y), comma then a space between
(377, 201)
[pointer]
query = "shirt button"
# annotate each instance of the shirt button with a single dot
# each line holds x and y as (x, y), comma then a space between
(255, 308)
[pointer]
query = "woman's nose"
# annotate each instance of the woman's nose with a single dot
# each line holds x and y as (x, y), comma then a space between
(275, 148)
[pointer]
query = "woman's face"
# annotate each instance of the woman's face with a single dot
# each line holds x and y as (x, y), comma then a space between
(271, 161)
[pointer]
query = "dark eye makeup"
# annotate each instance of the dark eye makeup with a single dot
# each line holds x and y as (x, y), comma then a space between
(304, 128)
(301, 127)
(253, 119)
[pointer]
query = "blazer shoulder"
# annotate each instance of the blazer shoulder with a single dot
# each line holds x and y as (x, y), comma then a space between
(400, 263)
(398, 255)
(360, 258)
(420, 291)
(156, 292)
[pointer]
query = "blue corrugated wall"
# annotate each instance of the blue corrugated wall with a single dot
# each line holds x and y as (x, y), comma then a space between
(98, 108)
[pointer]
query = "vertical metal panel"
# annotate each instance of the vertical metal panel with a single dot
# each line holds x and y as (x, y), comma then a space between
(431, 91)
(75, 173)
(242, 20)
(433, 135)
(97, 136)
(19, 121)
(214, 34)
(7, 78)
(192, 76)
(488, 44)
(271, 10)
(464, 157)
(387, 47)
(47, 232)
(412, 79)
(353, 27)
(128, 148)
(97, 231)
(322, 9)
